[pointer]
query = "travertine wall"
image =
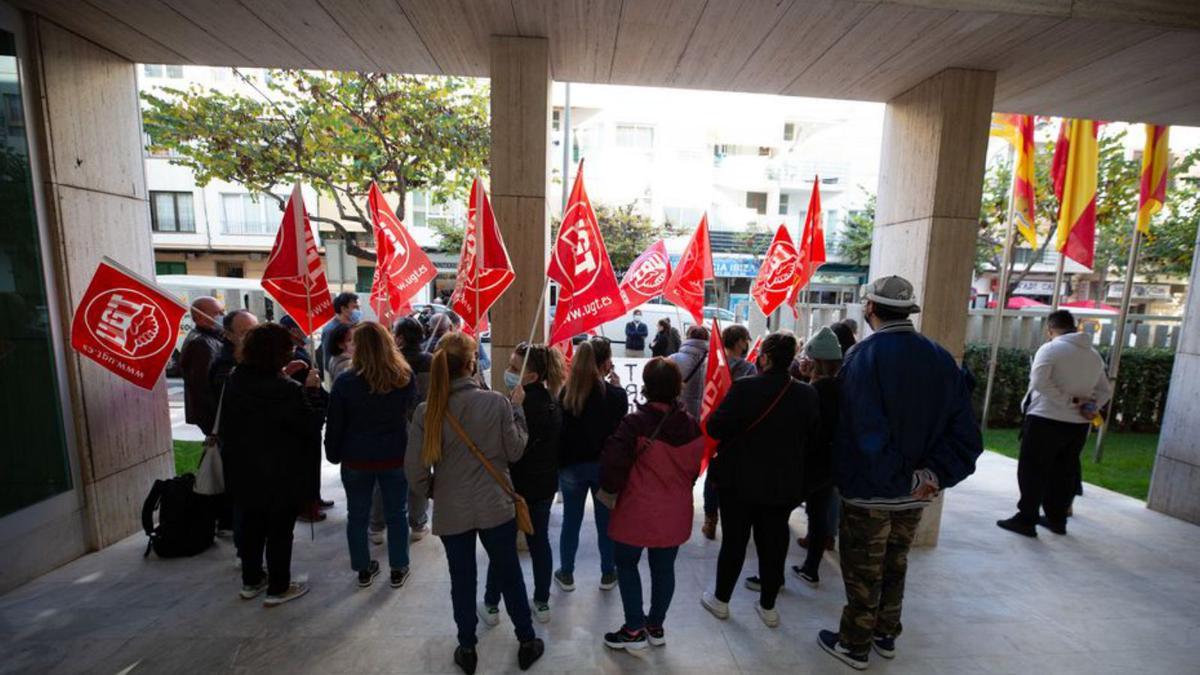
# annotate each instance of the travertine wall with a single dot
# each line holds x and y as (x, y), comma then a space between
(95, 190)
(926, 222)
(520, 70)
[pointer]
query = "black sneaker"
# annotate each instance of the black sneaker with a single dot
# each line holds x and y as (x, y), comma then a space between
(529, 653)
(753, 584)
(365, 577)
(399, 577)
(885, 645)
(608, 581)
(466, 659)
(625, 639)
(1015, 524)
(1056, 528)
(656, 636)
(804, 575)
(828, 640)
(565, 580)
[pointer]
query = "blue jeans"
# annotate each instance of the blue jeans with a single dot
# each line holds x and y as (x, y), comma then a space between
(575, 482)
(662, 583)
(500, 542)
(539, 554)
(394, 488)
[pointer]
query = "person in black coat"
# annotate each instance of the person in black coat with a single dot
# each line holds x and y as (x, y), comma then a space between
(271, 445)
(535, 475)
(766, 426)
(666, 339)
(409, 336)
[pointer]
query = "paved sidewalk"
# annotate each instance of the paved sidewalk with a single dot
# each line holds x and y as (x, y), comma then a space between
(1119, 594)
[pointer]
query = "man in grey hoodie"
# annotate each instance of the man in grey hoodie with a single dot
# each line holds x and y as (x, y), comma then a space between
(1067, 386)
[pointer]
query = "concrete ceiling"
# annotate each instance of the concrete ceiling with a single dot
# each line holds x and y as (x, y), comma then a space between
(1133, 60)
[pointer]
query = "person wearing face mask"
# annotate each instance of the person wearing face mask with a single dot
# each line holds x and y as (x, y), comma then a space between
(635, 336)
(345, 313)
(535, 475)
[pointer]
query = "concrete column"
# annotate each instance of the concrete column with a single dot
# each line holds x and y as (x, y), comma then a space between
(927, 219)
(1175, 484)
(520, 69)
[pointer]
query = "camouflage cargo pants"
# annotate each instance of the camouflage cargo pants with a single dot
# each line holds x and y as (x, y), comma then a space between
(874, 555)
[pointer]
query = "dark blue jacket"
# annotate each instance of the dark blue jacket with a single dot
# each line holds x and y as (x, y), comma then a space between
(366, 427)
(635, 335)
(904, 406)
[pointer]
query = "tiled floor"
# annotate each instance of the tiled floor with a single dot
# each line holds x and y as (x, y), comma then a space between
(1120, 594)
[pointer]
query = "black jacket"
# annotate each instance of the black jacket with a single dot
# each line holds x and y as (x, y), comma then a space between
(535, 475)
(199, 351)
(271, 440)
(820, 466)
(666, 343)
(765, 464)
(582, 438)
(221, 367)
(419, 361)
(366, 427)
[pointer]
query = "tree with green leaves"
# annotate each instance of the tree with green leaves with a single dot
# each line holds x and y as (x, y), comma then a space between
(335, 131)
(858, 231)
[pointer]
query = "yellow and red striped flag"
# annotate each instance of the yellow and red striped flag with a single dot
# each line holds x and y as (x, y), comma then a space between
(1075, 170)
(1018, 131)
(1155, 166)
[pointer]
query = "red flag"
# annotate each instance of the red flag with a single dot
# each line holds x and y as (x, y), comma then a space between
(126, 324)
(401, 267)
(294, 277)
(588, 292)
(686, 284)
(567, 349)
(752, 355)
(647, 276)
(812, 246)
(776, 274)
(717, 381)
(484, 269)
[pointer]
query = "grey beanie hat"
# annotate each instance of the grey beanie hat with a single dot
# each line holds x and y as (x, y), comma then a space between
(824, 346)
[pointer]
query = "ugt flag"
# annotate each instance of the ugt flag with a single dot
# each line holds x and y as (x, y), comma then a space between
(126, 324)
(776, 274)
(294, 277)
(717, 381)
(647, 276)
(752, 355)
(686, 284)
(812, 246)
(401, 267)
(1075, 169)
(588, 292)
(484, 269)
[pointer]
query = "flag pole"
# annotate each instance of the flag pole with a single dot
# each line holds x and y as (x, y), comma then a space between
(478, 262)
(1056, 298)
(537, 312)
(1002, 297)
(1114, 359)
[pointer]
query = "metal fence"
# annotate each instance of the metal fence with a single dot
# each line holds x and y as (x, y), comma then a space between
(1026, 328)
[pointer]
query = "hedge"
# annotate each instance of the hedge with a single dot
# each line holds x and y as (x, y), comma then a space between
(1137, 404)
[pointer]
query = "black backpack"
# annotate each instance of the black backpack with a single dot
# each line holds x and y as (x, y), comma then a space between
(185, 521)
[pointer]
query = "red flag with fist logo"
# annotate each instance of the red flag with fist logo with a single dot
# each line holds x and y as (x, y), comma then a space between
(647, 276)
(294, 276)
(686, 285)
(812, 246)
(588, 292)
(484, 269)
(776, 274)
(717, 381)
(401, 267)
(126, 324)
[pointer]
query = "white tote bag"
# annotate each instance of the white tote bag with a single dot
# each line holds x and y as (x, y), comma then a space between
(210, 475)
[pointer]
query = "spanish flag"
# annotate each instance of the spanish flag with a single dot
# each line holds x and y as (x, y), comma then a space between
(1075, 171)
(1018, 131)
(1155, 165)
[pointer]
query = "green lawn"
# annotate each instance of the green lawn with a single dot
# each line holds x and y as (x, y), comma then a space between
(1125, 467)
(187, 456)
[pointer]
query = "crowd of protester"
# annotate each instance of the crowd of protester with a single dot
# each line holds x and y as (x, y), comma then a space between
(863, 435)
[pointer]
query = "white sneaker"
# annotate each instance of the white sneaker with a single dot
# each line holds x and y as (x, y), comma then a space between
(376, 537)
(418, 534)
(768, 616)
(714, 606)
(488, 614)
(252, 592)
(295, 590)
(541, 611)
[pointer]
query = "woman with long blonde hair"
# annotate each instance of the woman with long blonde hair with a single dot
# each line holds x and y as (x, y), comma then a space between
(461, 429)
(367, 433)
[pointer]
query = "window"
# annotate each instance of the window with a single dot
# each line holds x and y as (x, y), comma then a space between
(635, 137)
(366, 275)
(172, 212)
(789, 131)
(783, 203)
(245, 213)
(152, 70)
(556, 120)
(764, 151)
(162, 267)
(175, 72)
(230, 269)
(757, 201)
(155, 70)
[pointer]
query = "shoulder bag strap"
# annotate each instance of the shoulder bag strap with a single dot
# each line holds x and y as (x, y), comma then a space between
(695, 368)
(654, 435)
(487, 465)
(778, 398)
(217, 420)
